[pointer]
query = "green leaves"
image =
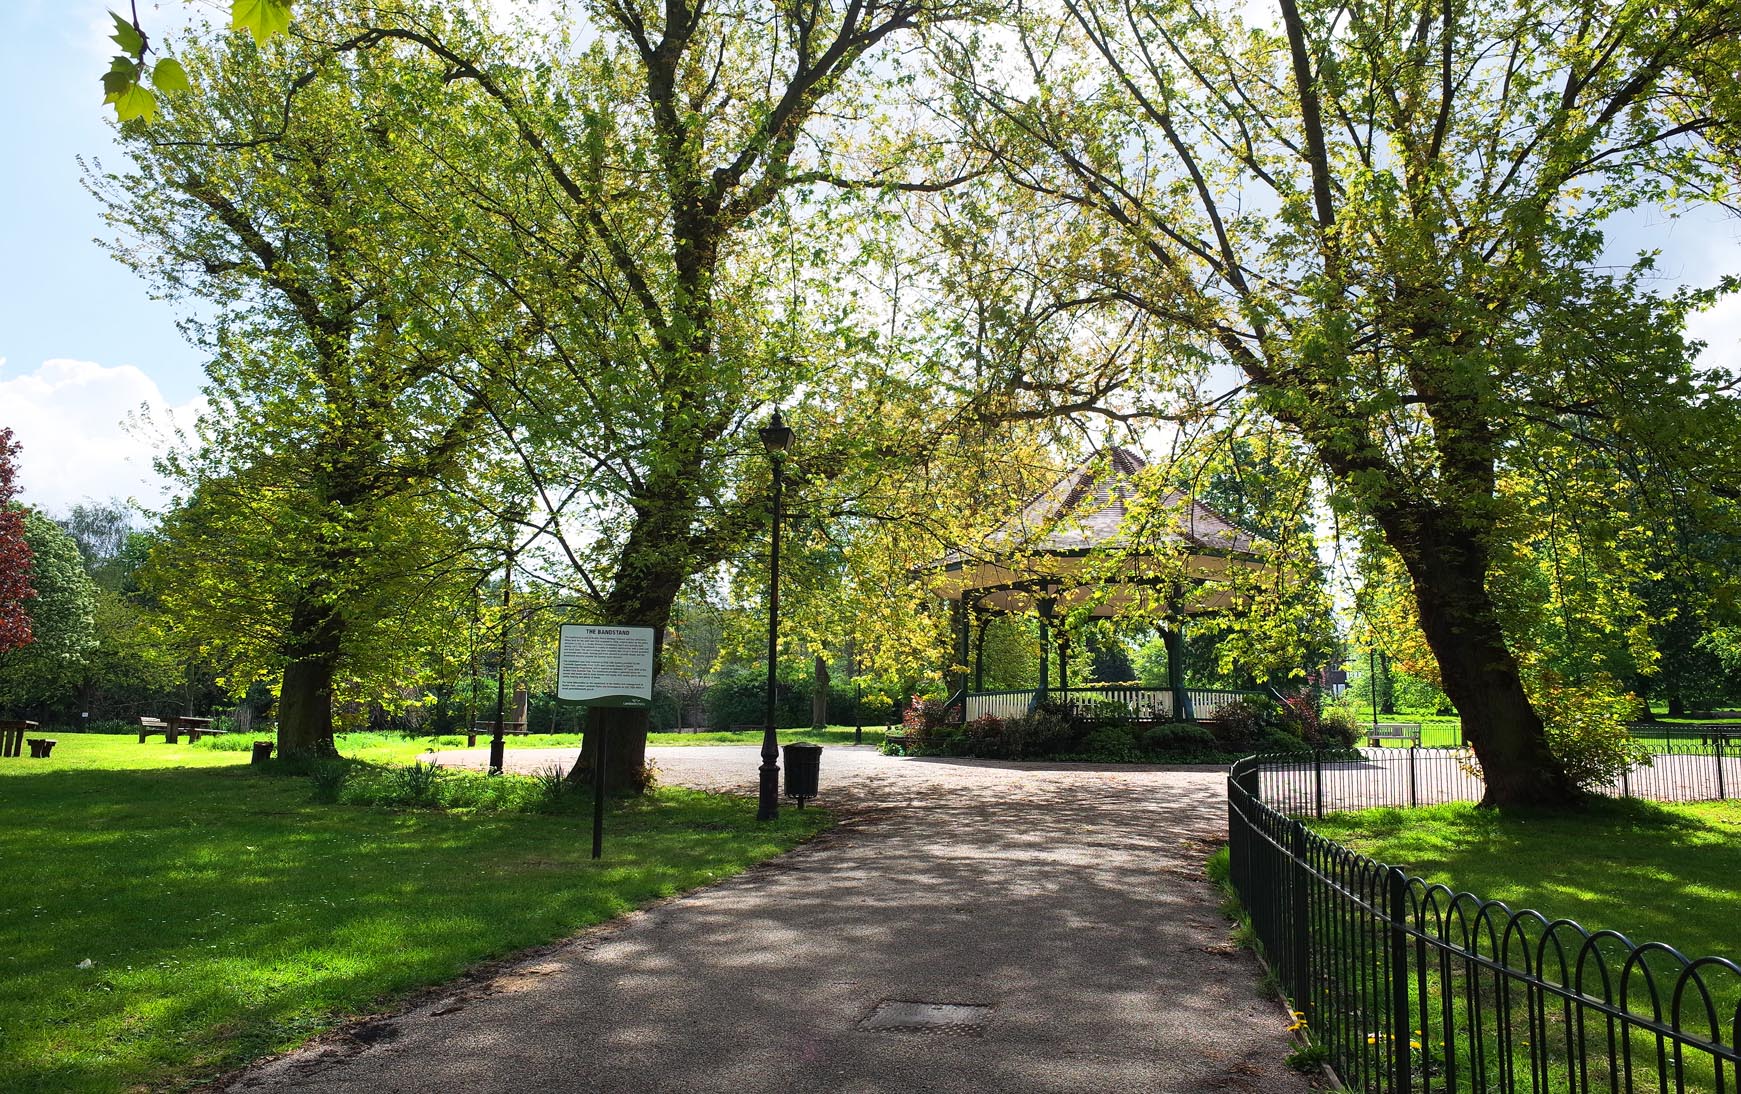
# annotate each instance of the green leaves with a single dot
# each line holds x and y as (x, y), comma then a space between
(264, 19)
(124, 83)
(168, 75)
(128, 37)
(123, 73)
(135, 102)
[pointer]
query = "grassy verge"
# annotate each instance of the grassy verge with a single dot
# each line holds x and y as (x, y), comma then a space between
(225, 915)
(396, 748)
(1654, 872)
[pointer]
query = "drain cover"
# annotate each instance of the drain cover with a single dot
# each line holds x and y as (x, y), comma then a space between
(903, 1015)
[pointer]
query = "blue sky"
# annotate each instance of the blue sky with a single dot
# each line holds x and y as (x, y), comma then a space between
(63, 299)
(82, 346)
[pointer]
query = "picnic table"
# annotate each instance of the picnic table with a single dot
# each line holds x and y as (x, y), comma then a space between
(195, 728)
(12, 737)
(172, 729)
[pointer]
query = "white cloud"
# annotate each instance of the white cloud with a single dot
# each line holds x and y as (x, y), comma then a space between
(1719, 327)
(88, 431)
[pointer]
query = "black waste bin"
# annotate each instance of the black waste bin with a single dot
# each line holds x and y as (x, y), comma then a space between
(803, 771)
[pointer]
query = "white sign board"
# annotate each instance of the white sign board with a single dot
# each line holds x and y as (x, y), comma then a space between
(605, 666)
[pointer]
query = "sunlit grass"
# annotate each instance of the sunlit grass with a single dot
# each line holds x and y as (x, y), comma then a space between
(226, 915)
(1654, 872)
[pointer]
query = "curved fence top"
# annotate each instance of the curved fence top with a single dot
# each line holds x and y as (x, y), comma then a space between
(1411, 985)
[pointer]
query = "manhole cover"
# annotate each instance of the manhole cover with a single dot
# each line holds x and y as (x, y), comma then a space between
(962, 1019)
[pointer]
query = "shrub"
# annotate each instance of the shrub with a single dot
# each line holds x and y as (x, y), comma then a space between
(1586, 728)
(984, 736)
(415, 784)
(229, 742)
(1337, 729)
(1091, 714)
(1186, 739)
(1047, 730)
(1319, 728)
(923, 717)
(1238, 726)
(1114, 743)
(326, 779)
(1277, 740)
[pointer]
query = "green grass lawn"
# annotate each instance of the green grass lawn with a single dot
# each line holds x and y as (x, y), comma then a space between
(226, 915)
(1654, 872)
(384, 748)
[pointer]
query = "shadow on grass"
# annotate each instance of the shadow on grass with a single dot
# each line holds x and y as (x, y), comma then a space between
(226, 915)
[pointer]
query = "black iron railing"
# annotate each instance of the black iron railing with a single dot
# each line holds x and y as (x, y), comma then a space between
(1681, 768)
(1410, 986)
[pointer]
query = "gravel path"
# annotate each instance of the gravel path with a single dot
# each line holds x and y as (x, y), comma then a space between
(1056, 919)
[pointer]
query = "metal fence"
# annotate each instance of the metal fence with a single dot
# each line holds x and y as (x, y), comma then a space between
(1682, 767)
(1410, 986)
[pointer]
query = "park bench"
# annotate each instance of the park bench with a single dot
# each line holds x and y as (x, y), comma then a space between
(12, 737)
(488, 729)
(40, 747)
(149, 727)
(1379, 732)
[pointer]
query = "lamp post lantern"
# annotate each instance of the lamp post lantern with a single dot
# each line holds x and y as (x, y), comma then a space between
(776, 437)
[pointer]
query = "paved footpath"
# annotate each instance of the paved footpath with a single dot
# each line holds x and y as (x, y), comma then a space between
(1054, 923)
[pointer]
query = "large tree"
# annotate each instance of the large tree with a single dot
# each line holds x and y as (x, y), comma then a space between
(643, 208)
(1387, 218)
(313, 538)
(40, 675)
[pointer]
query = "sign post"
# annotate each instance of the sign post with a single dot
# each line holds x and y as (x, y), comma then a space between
(601, 666)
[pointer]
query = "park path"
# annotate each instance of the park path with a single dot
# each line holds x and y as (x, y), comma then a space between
(1064, 909)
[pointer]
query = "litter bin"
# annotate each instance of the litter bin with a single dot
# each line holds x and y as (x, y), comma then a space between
(803, 771)
(262, 752)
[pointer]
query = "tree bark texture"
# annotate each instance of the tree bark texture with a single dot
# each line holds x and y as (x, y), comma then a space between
(305, 699)
(1448, 566)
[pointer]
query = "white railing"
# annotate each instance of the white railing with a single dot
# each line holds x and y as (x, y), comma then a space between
(1145, 704)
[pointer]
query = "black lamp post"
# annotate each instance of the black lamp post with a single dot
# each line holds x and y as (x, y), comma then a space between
(777, 437)
(497, 744)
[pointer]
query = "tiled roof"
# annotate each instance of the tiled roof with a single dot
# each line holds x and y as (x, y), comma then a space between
(1087, 508)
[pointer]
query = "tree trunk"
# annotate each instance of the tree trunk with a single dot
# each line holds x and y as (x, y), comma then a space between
(1677, 707)
(649, 575)
(305, 708)
(305, 700)
(1448, 565)
(625, 751)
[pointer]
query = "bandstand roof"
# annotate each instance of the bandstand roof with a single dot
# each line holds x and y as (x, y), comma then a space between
(1049, 547)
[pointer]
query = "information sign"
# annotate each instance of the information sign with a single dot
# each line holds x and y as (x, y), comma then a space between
(605, 666)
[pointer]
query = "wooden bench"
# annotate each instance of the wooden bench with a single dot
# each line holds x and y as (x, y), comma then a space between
(12, 737)
(1378, 733)
(488, 729)
(40, 747)
(149, 727)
